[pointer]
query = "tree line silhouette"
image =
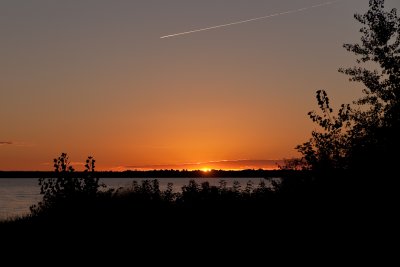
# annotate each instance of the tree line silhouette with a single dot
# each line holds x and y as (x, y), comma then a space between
(161, 173)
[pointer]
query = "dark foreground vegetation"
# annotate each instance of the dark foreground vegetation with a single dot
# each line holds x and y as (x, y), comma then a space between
(68, 197)
(344, 187)
(297, 202)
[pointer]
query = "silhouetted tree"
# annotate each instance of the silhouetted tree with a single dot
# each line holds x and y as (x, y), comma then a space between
(375, 133)
(236, 186)
(294, 164)
(248, 189)
(190, 193)
(66, 188)
(168, 195)
(366, 134)
(328, 149)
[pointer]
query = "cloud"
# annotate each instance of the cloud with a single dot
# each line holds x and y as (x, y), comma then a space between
(17, 144)
(2, 143)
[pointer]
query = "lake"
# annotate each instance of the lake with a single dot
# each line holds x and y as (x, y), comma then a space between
(18, 194)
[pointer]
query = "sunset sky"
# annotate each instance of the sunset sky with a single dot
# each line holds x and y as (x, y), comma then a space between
(94, 78)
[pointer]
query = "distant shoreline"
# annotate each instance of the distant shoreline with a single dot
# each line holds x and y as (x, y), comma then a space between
(155, 174)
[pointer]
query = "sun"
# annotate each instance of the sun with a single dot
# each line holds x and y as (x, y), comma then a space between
(206, 169)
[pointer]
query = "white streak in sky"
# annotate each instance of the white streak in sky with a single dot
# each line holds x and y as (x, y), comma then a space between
(254, 19)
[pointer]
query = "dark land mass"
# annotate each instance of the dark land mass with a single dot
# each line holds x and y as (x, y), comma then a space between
(329, 218)
(250, 173)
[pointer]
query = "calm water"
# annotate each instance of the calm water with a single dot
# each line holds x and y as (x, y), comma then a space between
(18, 194)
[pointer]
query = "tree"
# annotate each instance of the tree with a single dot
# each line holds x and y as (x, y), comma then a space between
(326, 150)
(377, 119)
(365, 134)
(65, 189)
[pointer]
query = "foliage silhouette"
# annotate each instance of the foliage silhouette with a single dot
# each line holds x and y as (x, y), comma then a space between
(66, 190)
(77, 200)
(363, 137)
(68, 199)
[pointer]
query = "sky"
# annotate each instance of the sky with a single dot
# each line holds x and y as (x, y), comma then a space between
(94, 78)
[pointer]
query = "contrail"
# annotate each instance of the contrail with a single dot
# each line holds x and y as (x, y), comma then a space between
(254, 19)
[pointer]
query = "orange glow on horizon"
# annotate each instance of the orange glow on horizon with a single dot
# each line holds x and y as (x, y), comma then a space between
(226, 165)
(135, 102)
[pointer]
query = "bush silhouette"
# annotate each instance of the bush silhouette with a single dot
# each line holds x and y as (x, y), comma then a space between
(66, 191)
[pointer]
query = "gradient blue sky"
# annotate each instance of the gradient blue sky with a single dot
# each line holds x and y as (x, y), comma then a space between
(94, 78)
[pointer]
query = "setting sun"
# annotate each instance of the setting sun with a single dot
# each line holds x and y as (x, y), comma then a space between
(206, 170)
